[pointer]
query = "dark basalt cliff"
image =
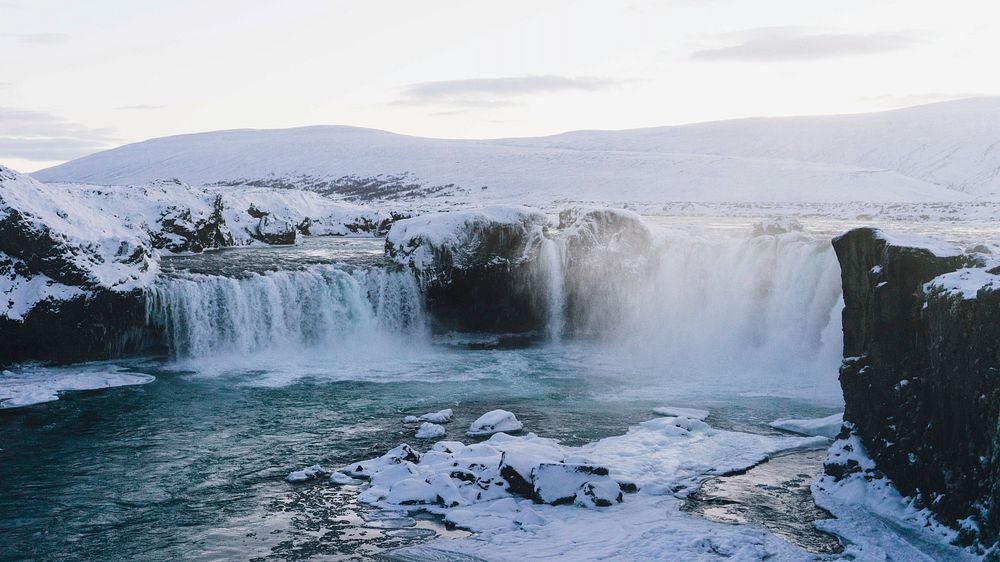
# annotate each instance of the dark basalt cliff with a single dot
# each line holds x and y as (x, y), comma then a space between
(921, 374)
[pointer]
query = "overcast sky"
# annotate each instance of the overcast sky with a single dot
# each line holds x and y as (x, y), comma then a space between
(80, 76)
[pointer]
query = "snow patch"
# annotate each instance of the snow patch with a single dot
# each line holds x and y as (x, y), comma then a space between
(692, 413)
(823, 427)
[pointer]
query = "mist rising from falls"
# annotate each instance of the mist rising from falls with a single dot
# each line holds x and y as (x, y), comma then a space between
(322, 307)
(766, 303)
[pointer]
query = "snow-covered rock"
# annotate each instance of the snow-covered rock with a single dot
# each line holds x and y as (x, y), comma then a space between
(560, 483)
(441, 416)
(430, 430)
(436, 244)
(314, 472)
(396, 456)
(495, 421)
(823, 427)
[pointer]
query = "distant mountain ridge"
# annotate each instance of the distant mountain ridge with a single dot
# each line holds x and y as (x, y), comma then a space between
(948, 151)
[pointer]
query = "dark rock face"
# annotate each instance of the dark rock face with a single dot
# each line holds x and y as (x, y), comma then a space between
(921, 377)
(101, 325)
(499, 270)
(475, 267)
(180, 232)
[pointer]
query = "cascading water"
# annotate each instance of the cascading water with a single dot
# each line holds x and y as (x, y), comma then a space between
(552, 255)
(764, 303)
(322, 306)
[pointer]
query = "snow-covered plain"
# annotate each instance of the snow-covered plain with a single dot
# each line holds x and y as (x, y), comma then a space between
(939, 152)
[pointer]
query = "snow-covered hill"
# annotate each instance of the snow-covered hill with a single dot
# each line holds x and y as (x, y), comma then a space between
(941, 152)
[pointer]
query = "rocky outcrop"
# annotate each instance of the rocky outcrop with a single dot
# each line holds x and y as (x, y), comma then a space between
(509, 269)
(475, 266)
(180, 232)
(921, 374)
(70, 280)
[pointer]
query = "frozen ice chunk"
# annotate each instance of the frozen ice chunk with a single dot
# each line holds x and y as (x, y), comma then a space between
(821, 427)
(494, 422)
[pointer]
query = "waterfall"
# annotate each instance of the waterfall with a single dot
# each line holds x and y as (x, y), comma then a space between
(552, 254)
(762, 303)
(699, 299)
(322, 306)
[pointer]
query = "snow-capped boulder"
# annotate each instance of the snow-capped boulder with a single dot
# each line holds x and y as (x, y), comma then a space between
(441, 416)
(430, 430)
(436, 245)
(495, 421)
(274, 231)
(402, 453)
(475, 266)
(574, 483)
(180, 232)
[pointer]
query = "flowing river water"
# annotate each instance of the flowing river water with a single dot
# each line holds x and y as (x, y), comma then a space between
(278, 358)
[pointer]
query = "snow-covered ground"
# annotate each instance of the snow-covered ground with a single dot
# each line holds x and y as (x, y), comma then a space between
(942, 152)
(528, 497)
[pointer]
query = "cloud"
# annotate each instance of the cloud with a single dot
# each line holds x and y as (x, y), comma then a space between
(139, 107)
(40, 136)
(793, 44)
(39, 38)
(478, 93)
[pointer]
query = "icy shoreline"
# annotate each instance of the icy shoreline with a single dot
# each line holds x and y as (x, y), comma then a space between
(529, 497)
